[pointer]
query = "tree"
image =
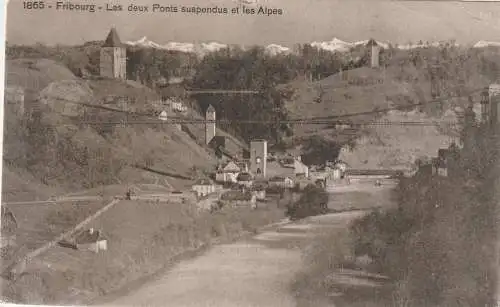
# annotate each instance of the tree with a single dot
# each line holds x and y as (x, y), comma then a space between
(317, 150)
(314, 201)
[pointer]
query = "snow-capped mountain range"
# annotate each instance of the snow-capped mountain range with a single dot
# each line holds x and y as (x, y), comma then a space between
(335, 45)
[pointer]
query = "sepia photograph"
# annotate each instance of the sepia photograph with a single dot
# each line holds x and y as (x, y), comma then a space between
(251, 153)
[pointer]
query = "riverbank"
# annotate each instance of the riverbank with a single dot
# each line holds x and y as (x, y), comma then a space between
(66, 276)
(252, 271)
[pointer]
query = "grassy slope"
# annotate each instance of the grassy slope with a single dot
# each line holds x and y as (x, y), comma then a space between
(167, 149)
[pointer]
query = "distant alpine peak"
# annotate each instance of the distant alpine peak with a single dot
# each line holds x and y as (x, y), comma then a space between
(176, 46)
(483, 44)
(334, 45)
(275, 49)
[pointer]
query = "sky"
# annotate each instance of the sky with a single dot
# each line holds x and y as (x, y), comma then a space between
(302, 21)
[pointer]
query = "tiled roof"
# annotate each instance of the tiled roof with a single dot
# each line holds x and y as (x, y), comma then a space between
(113, 40)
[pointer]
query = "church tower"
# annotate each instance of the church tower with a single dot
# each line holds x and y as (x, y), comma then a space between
(374, 53)
(113, 59)
(209, 124)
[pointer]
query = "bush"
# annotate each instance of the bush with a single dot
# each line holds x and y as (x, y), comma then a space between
(313, 201)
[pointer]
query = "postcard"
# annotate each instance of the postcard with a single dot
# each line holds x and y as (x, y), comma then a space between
(251, 153)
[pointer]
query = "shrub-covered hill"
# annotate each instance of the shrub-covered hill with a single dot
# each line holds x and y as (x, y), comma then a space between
(53, 147)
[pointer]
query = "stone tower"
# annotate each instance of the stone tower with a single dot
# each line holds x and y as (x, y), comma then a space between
(258, 157)
(374, 53)
(494, 102)
(209, 126)
(113, 59)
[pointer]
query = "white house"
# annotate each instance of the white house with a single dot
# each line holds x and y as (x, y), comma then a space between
(228, 173)
(283, 182)
(300, 169)
(163, 116)
(91, 240)
(177, 105)
(203, 187)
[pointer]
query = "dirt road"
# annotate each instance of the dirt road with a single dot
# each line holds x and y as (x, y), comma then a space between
(253, 272)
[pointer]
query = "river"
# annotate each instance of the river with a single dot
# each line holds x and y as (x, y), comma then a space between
(255, 271)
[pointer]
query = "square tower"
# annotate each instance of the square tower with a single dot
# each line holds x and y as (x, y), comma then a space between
(210, 130)
(258, 157)
(113, 57)
(494, 95)
(374, 53)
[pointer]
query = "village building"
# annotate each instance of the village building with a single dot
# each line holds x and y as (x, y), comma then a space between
(300, 169)
(245, 179)
(446, 162)
(113, 57)
(258, 158)
(228, 172)
(203, 187)
(282, 182)
(91, 240)
(239, 198)
(243, 165)
(87, 240)
(163, 116)
(174, 104)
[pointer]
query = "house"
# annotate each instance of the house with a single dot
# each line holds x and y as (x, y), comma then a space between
(243, 165)
(14, 95)
(204, 187)
(336, 174)
(259, 188)
(245, 179)
(300, 169)
(178, 106)
(279, 181)
(163, 116)
(90, 240)
(288, 162)
(228, 173)
(239, 198)
(442, 162)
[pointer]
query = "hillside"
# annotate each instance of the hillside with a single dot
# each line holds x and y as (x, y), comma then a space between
(396, 146)
(403, 80)
(54, 149)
